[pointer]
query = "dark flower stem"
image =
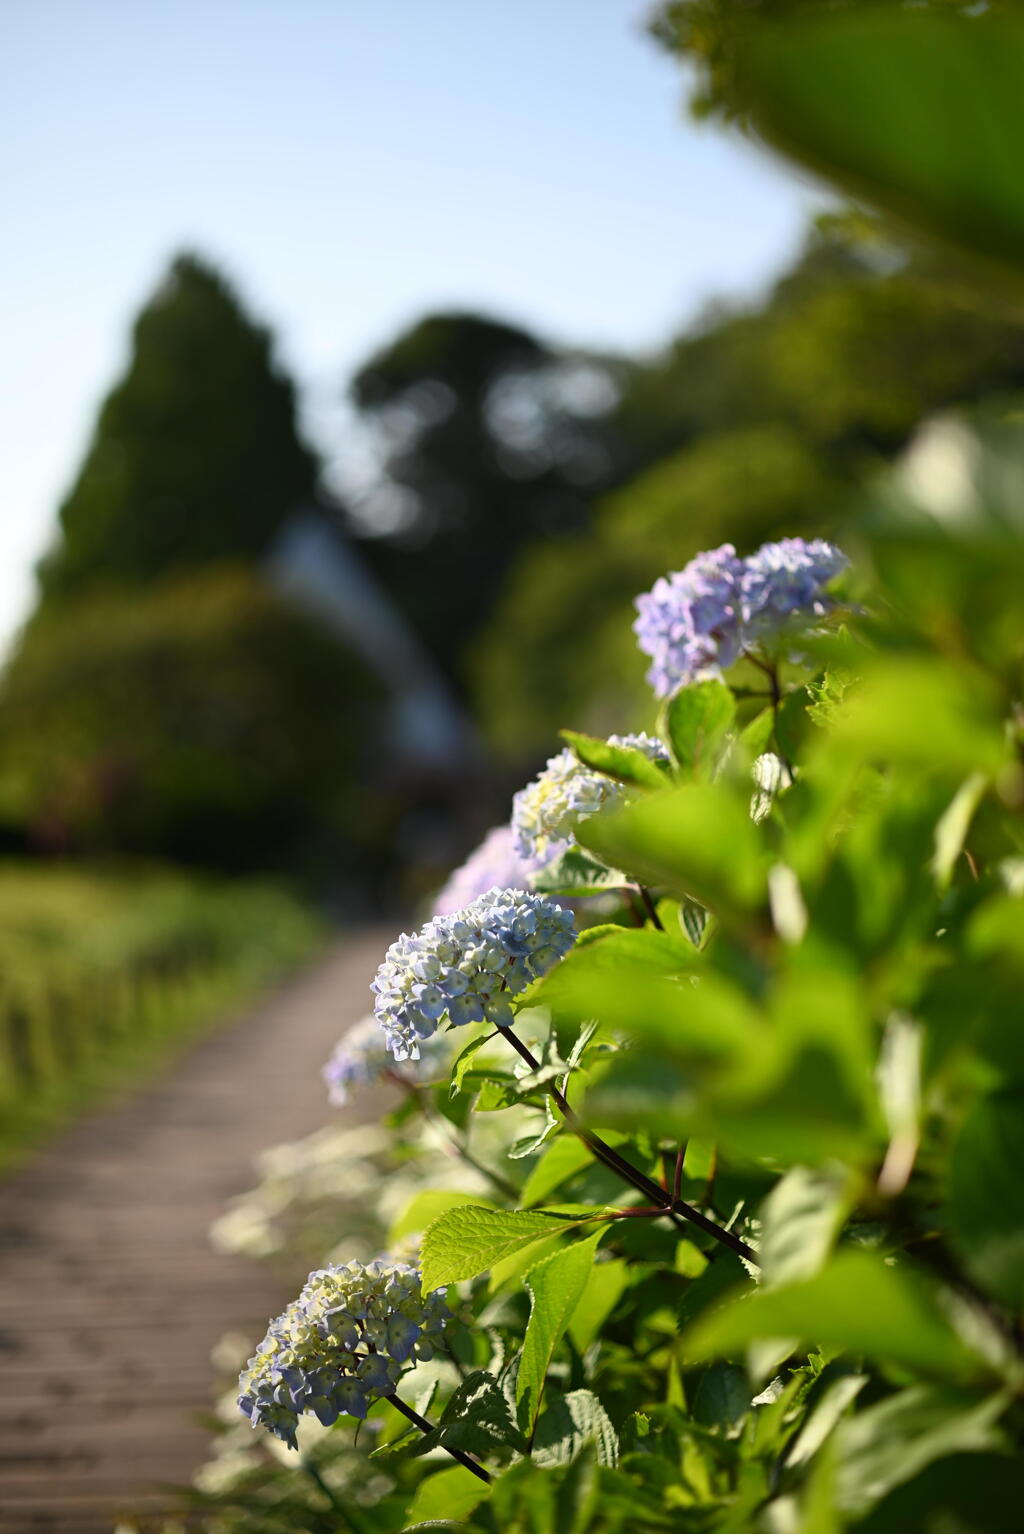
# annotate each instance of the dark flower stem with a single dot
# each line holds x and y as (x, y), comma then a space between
(659, 1197)
(649, 907)
(427, 1427)
(771, 671)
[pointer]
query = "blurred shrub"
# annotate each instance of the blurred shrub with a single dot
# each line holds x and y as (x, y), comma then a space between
(212, 723)
(101, 972)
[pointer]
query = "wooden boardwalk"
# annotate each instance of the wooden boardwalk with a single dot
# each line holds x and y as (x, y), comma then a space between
(110, 1295)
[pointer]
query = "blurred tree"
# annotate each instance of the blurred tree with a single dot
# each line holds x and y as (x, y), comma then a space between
(708, 33)
(486, 441)
(211, 722)
(750, 426)
(195, 457)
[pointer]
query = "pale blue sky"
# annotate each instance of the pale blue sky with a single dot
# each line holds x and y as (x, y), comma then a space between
(352, 163)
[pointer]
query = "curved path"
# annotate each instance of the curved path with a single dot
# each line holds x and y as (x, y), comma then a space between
(110, 1295)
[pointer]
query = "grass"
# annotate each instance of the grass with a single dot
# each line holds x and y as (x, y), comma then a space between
(105, 975)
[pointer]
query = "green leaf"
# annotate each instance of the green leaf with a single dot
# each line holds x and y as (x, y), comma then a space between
(986, 1195)
(556, 1287)
(606, 1283)
(696, 722)
(891, 1441)
(857, 1304)
(574, 873)
(697, 841)
(425, 1207)
(924, 712)
(469, 1240)
(528, 1145)
(720, 1277)
(801, 1218)
(965, 1493)
(918, 113)
(568, 1425)
(693, 918)
(560, 1161)
(627, 764)
(822, 1420)
(476, 1419)
(951, 831)
(449, 1495)
(722, 1399)
(463, 1060)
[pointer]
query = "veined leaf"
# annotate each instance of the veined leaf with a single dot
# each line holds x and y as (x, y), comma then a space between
(556, 1286)
(469, 1240)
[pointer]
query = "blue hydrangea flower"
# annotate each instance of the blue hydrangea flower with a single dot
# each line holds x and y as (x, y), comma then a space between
(698, 620)
(546, 812)
(494, 865)
(361, 1057)
(466, 965)
(341, 1345)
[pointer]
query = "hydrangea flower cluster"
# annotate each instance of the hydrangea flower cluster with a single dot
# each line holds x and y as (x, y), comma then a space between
(494, 865)
(466, 965)
(361, 1057)
(698, 620)
(546, 812)
(341, 1345)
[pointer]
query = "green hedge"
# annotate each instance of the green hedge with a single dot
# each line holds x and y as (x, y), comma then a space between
(104, 973)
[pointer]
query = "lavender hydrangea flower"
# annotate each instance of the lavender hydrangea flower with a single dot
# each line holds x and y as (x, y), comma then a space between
(788, 580)
(341, 1345)
(494, 865)
(690, 620)
(361, 1057)
(546, 812)
(698, 620)
(465, 966)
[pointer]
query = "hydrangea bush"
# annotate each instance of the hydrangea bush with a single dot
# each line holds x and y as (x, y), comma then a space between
(732, 1235)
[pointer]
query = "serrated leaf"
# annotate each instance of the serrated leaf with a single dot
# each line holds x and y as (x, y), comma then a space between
(476, 1419)
(469, 1240)
(555, 1287)
(696, 722)
(627, 764)
(568, 1425)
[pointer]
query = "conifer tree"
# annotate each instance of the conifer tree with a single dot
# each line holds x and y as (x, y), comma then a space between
(195, 458)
